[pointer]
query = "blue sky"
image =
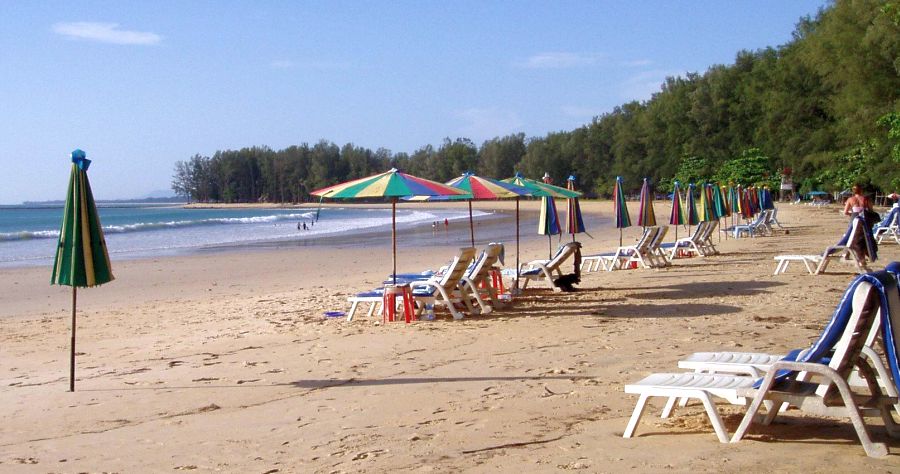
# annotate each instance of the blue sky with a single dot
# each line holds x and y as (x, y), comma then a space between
(141, 85)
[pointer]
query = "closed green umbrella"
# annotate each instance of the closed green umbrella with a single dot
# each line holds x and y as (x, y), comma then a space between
(623, 220)
(690, 207)
(81, 256)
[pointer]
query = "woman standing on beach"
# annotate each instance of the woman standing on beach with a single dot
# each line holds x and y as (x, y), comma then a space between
(858, 203)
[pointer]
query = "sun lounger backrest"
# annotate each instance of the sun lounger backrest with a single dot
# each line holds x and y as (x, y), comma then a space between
(457, 267)
(485, 261)
(850, 344)
(647, 238)
(890, 324)
(850, 233)
(562, 254)
(660, 236)
(698, 231)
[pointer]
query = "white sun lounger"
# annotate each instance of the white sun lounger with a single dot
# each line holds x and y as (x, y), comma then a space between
(856, 313)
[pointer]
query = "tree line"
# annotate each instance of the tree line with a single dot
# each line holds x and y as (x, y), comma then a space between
(825, 105)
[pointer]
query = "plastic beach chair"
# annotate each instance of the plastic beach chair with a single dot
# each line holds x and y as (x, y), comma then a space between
(640, 253)
(840, 251)
(889, 226)
(813, 380)
(545, 269)
(438, 290)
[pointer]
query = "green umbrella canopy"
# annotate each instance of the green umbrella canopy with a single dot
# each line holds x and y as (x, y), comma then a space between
(81, 256)
(540, 189)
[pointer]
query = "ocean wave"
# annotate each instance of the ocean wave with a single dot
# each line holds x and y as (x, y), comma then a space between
(151, 226)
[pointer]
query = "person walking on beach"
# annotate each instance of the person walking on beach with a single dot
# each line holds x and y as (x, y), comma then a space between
(446, 224)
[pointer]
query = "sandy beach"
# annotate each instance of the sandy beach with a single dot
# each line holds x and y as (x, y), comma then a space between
(225, 362)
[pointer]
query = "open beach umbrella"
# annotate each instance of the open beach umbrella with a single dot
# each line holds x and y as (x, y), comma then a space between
(574, 221)
(81, 256)
(646, 215)
(479, 188)
(623, 220)
(691, 207)
(548, 224)
(393, 185)
(677, 217)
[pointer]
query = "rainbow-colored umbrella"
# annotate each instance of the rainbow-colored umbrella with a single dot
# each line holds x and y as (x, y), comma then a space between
(574, 221)
(677, 217)
(734, 201)
(747, 210)
(646, 215)
(480, 188)
(718, 203)
(623, 220)
(704, 207)
(393, 185)
(81, 256)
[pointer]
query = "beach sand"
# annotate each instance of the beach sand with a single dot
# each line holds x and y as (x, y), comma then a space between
(224, 362)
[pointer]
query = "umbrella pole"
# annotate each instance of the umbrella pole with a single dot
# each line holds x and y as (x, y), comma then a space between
(72, 348)
(550, 246)
(394, 236)
(515, 284)
(471, 224)
(620, 236)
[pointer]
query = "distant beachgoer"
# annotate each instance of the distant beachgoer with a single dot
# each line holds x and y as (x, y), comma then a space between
(446, 224)
(298, 226)
(858, 203)
(304, 226)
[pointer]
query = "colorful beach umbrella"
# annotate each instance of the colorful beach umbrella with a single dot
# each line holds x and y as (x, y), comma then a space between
(481, 188)
(691, 207)
(677, 217)
(623, 220)
(548, 223)
(392, 185)
(646, 215)
(574, 220)
(705, 209)
(81, 256)
(765, 199)
(747, 210)
(734, 201)
(719, 204)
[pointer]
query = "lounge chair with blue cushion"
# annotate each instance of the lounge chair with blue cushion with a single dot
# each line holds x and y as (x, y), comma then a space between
(847, 249)
(545, 269)
(693, 244)
(889, 226)
(440, 289)
(830, 360)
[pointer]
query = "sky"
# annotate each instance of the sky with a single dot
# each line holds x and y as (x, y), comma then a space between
(141, 85)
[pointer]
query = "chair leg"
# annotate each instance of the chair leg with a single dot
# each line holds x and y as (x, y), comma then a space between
(352, 310)
(670, 405)
(714, 417)
(636, 415)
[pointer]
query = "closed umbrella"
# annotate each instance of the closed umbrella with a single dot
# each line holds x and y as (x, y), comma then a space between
(623, 220)
(393, 185)
(734, 201)
(646, 215)
(691, 207)
(719, 204)
(81, 256)
(704, 208)
(574, 220)
(747, 210)
(677, 217)
(765, 200)
(548, 224)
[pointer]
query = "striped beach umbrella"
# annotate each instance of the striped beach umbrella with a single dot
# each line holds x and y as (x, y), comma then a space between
(480, 188)
(747, 209)
(392, 185)
(646, 215)
(677, 217)
(548, 223)
(734, 201)
(623, 220)
(765, 199)
(704, 207)
(690, 205)
(719, 203)
(81, 256)
(574, 220)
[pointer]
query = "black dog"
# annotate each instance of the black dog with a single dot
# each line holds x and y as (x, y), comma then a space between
(567, 281)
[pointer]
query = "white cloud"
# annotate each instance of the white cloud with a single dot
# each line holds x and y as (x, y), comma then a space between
(643, 85)
(105, 33)
(560, 60)
(487, 123)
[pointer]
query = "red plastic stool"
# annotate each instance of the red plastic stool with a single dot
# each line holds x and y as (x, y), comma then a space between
(389, 303)
(497, 281)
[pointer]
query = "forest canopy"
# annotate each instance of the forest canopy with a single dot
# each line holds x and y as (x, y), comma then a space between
(825, 105)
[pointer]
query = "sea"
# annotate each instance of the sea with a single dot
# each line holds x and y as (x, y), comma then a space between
(29, 234)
